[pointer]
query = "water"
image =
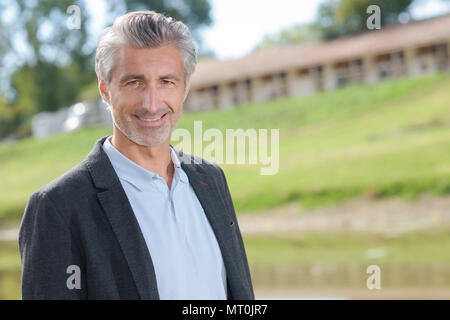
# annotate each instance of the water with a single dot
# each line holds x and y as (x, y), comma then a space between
(323, 281)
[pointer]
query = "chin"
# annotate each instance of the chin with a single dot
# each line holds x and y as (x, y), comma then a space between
(148, 141)
(143, 138)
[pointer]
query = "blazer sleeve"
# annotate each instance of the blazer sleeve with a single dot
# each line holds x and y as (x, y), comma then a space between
(51, 260)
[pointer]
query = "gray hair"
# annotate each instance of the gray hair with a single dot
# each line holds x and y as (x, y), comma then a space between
(144, 29)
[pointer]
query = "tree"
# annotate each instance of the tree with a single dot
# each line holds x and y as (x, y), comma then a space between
(337, 18)
(292, 35)
(44, 65)
(355, 10)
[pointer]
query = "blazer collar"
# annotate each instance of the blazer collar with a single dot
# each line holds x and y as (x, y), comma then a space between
(98, 159)
(133, 173)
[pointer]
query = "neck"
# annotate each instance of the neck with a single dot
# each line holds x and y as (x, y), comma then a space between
(153, 158)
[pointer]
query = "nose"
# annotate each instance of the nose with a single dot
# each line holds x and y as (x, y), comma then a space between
(152, 100)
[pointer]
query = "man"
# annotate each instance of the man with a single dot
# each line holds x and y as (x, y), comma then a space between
(137, 219)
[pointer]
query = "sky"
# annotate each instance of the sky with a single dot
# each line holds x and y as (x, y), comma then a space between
(240, 25)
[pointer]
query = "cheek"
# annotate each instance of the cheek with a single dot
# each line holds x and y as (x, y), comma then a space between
(124, 103)
(175, 100)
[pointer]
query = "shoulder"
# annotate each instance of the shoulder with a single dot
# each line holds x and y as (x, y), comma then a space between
(199, 164)
(204, 167)
(57, 205)
(70, 184)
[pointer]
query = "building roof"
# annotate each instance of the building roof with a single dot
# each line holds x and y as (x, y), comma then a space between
(273, 60)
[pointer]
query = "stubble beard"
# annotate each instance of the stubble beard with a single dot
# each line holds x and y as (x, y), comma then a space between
(145, 136)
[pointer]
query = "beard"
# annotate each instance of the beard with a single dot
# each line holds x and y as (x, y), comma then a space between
(145, 136)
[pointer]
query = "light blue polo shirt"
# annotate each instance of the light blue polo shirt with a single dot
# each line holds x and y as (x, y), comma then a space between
(184, 250)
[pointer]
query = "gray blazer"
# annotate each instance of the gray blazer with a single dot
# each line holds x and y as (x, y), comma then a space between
(84, 218)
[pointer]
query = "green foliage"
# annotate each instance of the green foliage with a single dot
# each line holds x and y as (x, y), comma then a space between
(33, 95)
(193, 13)
(356, 10)
(6, 118)
(10, 270)
(337, 18)
(89, 92)
(293, 35)
(57, 67)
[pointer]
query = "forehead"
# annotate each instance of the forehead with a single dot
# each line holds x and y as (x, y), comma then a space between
(148, 61)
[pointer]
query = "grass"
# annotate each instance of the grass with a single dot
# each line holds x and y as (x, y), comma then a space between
(383, 140)
(10, 267)
(9, 258)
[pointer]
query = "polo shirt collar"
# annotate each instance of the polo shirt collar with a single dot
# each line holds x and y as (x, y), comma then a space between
(133, 173)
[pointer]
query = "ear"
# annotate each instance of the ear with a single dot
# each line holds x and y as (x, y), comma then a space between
(103, 88)
(187, 87)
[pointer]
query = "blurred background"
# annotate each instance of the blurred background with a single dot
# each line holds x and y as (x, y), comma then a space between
(363, 114)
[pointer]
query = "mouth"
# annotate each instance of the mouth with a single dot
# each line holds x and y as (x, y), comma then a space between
(151, 122)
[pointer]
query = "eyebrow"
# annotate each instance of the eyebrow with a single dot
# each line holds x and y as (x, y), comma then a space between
(141, 77)
(169, 76)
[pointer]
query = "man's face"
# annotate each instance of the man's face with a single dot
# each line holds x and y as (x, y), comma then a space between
(146, 93)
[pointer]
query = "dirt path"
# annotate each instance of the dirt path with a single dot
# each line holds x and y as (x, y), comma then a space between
(10, 234)
(392, 215)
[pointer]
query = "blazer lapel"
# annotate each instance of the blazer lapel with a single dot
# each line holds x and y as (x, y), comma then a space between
(123, 221)
(208, 194)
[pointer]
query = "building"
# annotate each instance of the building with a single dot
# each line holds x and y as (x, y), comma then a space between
(401, 50)
(80, 115)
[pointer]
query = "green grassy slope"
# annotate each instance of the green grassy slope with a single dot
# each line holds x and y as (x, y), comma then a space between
(388, 139)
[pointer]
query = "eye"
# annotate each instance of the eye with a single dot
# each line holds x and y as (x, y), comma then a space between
(168, 82)
(133, 83)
